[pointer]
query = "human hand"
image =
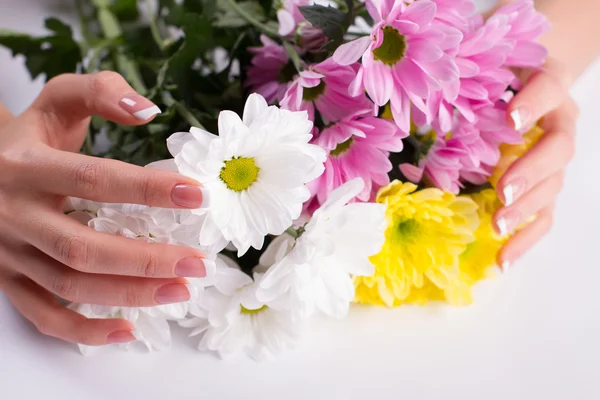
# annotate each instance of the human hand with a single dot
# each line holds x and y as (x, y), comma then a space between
(44, 252)
(529, 187)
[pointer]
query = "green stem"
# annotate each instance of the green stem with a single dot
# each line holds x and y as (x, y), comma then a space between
(155, 30)
(292, 232)
(251, 20)
(182, 110)
(112, 30)
(294, 56)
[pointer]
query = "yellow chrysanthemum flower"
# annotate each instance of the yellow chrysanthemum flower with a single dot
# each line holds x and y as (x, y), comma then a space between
(427, 231)
(479, 258)
(510, 152)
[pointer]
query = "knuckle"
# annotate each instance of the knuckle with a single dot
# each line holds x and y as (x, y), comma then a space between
(102, 81)
(88, 178)
(132, 297)
(65, 287)
(148, 190)
(150, 265)
(72, 251)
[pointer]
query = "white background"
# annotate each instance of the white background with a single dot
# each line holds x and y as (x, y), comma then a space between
(532, 333)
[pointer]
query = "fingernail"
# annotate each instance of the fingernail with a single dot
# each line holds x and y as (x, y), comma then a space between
(520, 118)
(120, 337)
(172, 293)
(189, 196)
(507, 223)
(513, 190)
(505, 265)
(139, 106)
(190, 267)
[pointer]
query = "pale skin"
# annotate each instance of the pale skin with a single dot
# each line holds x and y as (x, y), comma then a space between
(44, 253)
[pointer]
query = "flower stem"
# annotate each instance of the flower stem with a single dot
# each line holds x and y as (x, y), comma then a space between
(294, 56)
(155, 30)
(182, 110)
(112, 30)
(251, 20)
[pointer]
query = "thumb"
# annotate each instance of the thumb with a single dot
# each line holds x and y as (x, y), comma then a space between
(76, 97)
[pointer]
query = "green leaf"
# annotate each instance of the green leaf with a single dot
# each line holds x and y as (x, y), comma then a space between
(126, 10)
(333, 22)
(51, 55)
(229, 18)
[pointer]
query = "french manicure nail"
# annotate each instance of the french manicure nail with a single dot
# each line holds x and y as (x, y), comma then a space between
(172, 293)
(120, 337)
(190, 267)
(505, 265)
(189, 196)
(139, 106)
(513, 190)
(520, 118)
(508, 222)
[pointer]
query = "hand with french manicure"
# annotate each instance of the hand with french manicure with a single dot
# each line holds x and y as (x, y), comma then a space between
(45, 253)
(529, 187)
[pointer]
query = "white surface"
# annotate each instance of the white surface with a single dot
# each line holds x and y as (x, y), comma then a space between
(532, 334)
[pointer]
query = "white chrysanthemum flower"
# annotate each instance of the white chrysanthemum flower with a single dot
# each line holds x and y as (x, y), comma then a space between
(255, 171)
(232, 321)
(335, 244)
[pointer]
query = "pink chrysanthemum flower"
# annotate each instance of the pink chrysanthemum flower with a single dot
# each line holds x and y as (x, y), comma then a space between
(406, 57)
(324, 86)
(526, 26)
(289, 15)
(358, 146)
(483, 80)
(468, 153)
(271, 71)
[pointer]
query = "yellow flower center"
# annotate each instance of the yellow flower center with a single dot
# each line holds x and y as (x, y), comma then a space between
(245, 310)
(239, 173)
(405, 230)
(313, 93)
(342, 147)
(392, 47)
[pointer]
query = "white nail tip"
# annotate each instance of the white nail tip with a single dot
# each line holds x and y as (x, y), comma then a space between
(147, 113)
(502, 227)
(505, 266)
(516, 117)
(509, 195)
(205, 197)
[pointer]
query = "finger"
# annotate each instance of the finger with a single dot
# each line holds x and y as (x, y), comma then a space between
(524, 239)
(86, 250)
(548, 156)
(111, 181)
(52, 319)
(5, 115)
(75, 97)
(543, 92)
(508, 219)
(109, 290)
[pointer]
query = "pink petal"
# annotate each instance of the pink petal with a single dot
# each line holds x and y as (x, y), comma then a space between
(350, 52)
(443, 70)
(286, 22)
(423, 50)
(411, 77)
(405, 27)
(420, 12)
(527, 54)
(379, 83)
(356, 86)
(412, 173)
(473, 90)
(467, 68)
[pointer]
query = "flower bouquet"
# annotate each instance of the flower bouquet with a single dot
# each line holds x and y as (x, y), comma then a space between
(358, 165)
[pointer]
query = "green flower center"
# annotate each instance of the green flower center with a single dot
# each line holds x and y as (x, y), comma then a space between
(392, 47)
(245, 310)
(342, 147)
(406, 230)
(310, 94)
(239, 173)
(287, 73)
